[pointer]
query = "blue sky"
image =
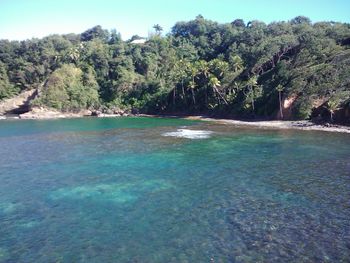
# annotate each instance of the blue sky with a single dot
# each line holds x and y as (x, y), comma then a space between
(22, 19)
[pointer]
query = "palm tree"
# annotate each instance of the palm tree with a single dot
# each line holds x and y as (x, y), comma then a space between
(254, 91)
(203, 68)
(158, 29)
(192, 84)
(332, 106)
(236, 63)
(214, 82)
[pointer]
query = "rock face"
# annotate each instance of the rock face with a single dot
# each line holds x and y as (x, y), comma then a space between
(19, 107)
(41, 113)
(46, 113)
(19, 104)
(113, 112)
(287, 104)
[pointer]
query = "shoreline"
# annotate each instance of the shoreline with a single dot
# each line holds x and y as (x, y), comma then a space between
(270, 124)
(282, 125)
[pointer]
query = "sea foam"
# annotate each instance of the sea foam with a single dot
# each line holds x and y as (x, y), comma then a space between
(189, 134)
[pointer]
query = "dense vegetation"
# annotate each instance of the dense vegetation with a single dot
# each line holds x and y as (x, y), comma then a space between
(201, 66)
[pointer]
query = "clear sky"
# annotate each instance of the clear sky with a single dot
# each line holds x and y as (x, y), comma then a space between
(22, 19)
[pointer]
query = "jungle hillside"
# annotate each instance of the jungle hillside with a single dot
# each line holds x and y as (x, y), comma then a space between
(294, 69)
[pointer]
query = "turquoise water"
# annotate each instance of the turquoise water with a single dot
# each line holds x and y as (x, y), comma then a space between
(171, 190)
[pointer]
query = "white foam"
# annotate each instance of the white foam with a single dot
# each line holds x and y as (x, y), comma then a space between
(189, 134)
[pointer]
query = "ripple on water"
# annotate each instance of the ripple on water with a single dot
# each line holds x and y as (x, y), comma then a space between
(7, 207)
(4, 255)
(100, 193)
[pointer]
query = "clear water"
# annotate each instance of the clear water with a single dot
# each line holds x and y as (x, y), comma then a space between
(171, 190)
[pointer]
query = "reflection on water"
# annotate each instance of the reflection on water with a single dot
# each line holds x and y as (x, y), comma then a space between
(144, 190)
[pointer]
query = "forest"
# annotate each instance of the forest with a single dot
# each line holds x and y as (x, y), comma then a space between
(293, 69)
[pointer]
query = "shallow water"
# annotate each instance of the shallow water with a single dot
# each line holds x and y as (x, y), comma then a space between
(171, 190)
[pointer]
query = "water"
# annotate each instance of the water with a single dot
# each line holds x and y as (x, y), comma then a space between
(171, 190)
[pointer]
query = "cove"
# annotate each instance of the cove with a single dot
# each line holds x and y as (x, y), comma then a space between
(171, 190)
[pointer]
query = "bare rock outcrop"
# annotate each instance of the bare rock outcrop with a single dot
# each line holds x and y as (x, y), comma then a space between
(19, 103)
(47, 113)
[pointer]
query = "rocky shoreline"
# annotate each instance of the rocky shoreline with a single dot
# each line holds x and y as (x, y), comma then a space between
(42, 113)
(275, 124)
(270, 124)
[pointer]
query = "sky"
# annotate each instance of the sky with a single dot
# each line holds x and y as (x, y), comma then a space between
(23, 19)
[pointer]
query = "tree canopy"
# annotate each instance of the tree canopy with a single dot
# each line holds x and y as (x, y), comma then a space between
(241, 69)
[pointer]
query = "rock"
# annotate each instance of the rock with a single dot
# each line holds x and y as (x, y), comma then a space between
(85, 112)
(108, 111)
(22, 100)
(47, 113)
(135, 111)
(118, 111)
(42, 113)
(96, 113)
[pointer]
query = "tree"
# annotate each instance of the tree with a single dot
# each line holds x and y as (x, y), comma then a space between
(232, 67)
(215, 84)
(279, 89)
(332, 106)
(193, 69)
(236, 63)
(158, 29)
(238, 23)
(65, 90)
(253, 91)
(95, 32)
(300, 20)
(336, 100)
(6, 88)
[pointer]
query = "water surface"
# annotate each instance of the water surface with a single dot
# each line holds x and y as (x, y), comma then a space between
(171, 190)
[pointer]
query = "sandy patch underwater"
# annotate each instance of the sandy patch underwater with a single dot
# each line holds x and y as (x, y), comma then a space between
(119, 193)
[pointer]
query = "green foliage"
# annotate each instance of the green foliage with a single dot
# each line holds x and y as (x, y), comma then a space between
(69, 89)
(95, 32)
(6, 88)
(200, 66)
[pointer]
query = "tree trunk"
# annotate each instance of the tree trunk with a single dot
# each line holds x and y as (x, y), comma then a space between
(174, 95)
(182, 86)
(222, 97)
(206, 96)
(192, 90)
(252, 94)
(193, 98)
(280, 100)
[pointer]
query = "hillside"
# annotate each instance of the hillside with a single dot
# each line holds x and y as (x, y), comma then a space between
(282, 70)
